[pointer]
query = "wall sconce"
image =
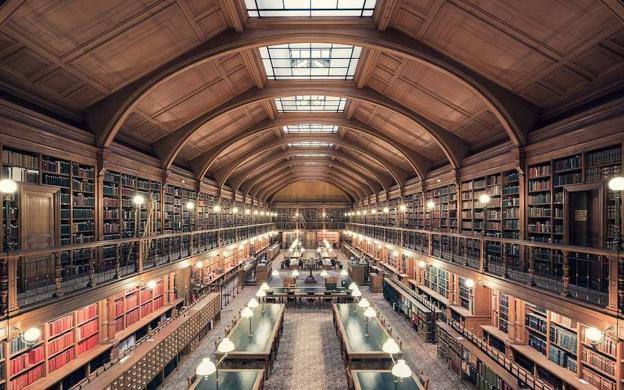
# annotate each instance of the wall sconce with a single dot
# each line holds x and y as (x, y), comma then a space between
(595, 336)
(190, 205)
(469, 283)
(386, 210)
(30, 337)
(402, 208)
(216, 208)
(430, 205)
(138, 200)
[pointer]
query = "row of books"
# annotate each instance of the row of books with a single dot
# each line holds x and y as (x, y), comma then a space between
(567, 179)
(84, 213)
(597, 380)
(60, 343)
(55, 180)
(88, 329)
(26, 359)
(17, 159)
(55, 166)
(88, 343)
(20, 175)
(539, 185)
(61, 359)
(85, 226)
(599, 361)
(60, 325)
(569, 163)
(83, 171)
(564, 338)
(86, 313)
(84, 201)
(20, 382)
(81, 185)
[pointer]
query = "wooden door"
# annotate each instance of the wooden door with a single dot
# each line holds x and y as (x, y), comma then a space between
(39, 218)
(38, 215)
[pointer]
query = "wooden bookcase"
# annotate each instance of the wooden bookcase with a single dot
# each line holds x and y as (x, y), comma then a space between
(443, 217)
(77, 194)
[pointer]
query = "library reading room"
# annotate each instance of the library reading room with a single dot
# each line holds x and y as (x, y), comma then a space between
(312, 194)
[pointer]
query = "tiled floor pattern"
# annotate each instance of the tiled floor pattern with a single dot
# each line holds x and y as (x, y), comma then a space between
(309, 354)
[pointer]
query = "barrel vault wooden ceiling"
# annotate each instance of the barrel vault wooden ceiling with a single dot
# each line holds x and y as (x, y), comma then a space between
(436, 81)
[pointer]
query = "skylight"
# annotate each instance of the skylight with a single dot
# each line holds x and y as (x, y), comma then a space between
(310, 155)
(310, 144)
(310, 128)
(310, 61)
(268, 8)
(310, 103)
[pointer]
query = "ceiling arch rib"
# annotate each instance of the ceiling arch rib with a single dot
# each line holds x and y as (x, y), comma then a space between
(517, 115)
(397, 173)
(202, 163)
(336, 180)
(224, 173)
(277, 162)
(297, 166)
(169, 146)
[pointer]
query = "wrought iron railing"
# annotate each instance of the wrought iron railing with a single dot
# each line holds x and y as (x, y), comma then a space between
(34, 276)
(580, 273)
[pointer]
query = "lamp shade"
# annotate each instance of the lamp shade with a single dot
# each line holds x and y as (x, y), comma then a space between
(275, 273)
(253, 303)
(151, 284)
(469, 283)
(190, 205)
(344, 272)
(295, 274)
(484, 198)
(260, 293)
(401, 369)
(370, 312)
(7, 186)
(205, 368)
(247, 312)
(264, 286)
(391, 347)
(356, 293)
(353, 286)
(364, 303)
(226, 346)
(324, 274)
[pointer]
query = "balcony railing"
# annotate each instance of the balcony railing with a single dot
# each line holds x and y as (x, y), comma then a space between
(578, 272)
(33, 276)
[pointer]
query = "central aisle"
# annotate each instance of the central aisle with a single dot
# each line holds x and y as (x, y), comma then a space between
(309, 353)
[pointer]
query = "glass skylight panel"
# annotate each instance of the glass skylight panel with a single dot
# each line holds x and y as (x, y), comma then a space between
(310, 144)
(310, 128)
(309, 8)
(310, 155)
(310, 103)
(310, 61)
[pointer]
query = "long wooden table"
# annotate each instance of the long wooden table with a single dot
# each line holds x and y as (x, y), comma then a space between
(318, 293)
(262, 346)
(247, 379)
(357, 348)
(381, 380)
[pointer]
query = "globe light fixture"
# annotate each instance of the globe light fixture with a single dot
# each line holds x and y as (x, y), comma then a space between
(391, 347)
(8, 186)
(295, 274)
(368, 314)
(402, 208)
(138, 200)
(234, 210)
(430, 205)
(190, 205)
(469, 283)
(484, 198)
(248, 313)
(422, 264)
(386, 209)
(226, 346)
(615, 184)
(216, 208)
(199, 264)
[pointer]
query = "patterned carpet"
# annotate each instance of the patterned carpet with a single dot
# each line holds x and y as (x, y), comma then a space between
(309, 354)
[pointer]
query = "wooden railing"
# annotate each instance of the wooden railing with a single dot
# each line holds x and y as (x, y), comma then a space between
(33, 276)
(590, 275)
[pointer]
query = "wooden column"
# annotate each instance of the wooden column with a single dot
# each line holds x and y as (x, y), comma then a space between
(615, 284)
(91, 267)
(58, 277)
(566, 274)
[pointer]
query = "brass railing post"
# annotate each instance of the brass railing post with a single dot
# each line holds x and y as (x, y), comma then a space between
(117, 262)
(91, 267)
(58, 277)
(531, 267)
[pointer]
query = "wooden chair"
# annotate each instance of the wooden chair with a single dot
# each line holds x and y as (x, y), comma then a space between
(311, 298)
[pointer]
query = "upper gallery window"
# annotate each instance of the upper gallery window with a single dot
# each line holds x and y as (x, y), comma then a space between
(310, 103)
(310, 61)
(310, 144)
(309, 8)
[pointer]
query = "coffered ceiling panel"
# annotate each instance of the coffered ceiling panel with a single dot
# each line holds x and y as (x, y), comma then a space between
(378, 148)
(74, 52)
(539, 49)
(400, 128)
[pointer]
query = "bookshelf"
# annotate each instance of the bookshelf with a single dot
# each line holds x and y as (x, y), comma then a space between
(443, 216)
(546, 182)
(415, 215)
(133, 304)
(598, 364)
(77, 194)
(503, 312)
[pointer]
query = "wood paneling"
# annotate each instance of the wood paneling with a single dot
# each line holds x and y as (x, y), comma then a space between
(310, 191)
(542, 50)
